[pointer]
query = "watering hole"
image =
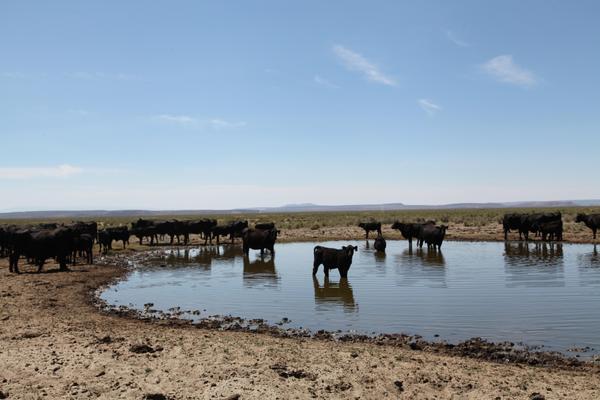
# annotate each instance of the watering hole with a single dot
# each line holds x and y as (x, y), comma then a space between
(538, 294)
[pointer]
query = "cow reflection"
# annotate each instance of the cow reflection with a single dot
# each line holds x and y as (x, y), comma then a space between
(534, 265)
(260, 272)
(517, 253)
(201, 257)
(335, 293)
(431, 256)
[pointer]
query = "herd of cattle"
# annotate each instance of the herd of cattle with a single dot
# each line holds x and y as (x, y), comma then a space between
(66, 242)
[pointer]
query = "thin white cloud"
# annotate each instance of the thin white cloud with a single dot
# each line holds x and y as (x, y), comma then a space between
(177, 119)
(119, 76)
(356, 62)
(60, 171)
(324, 82)
(217, 123)
(428, 106)
(13, 75)
(455, 39)
(193, 122)
(504, 69)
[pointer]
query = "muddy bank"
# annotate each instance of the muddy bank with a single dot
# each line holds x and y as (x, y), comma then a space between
(55, 344)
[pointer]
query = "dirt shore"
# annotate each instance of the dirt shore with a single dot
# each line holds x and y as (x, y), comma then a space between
(54, 343)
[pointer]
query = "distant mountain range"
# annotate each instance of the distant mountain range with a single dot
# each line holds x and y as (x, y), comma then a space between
(305, 207)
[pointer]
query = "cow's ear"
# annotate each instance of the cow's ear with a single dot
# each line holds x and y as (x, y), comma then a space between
(355, 248)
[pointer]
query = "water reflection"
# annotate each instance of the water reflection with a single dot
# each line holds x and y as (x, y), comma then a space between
(260, 272)
(534, 265)
(425, 267)
(335, 293)
(589, 268)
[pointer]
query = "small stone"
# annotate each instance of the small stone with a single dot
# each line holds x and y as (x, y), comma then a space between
(536, 396)
(354, 354)
(399, 385)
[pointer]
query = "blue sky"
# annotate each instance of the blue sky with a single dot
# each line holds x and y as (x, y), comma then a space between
(223, 104)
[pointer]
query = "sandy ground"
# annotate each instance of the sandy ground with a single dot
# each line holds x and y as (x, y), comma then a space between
(54, 343)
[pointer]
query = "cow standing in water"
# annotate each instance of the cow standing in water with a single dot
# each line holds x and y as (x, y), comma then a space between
(340, 259)
(410, 230)
(380, 244)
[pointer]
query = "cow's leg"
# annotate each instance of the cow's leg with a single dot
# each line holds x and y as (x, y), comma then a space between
(594, 230)
(326, 270)
(316, 265)
(343, 273)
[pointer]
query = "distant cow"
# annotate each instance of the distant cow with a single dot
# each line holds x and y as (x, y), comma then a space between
(104, 241)
(264, 225)
(531, 223)
(259, 239)
(199, 227)
(410, 230)
(551, 230)
(432, 235)
(370, 226)
(340, 259)
(380, 244)
(233, 229)
(55, 243)
(512, 221)
(119, 234)
(83, 245)
(592, 221)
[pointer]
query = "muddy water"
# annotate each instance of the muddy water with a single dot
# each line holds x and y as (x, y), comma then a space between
(537, 294)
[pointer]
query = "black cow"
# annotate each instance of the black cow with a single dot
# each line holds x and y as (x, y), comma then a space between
(370, 226)
(264, 225)
(432, 235)
(83, 244)
(512, 221)
(56, 243)
(551, 230)
(80, 228)
(143, 228)
(118, 234)
(104, 241)
(380, 244)
(340, 259)
(592, 221)
(410, 230)
(259, 239)
(198, 227)
(233, 229)
(531, 223)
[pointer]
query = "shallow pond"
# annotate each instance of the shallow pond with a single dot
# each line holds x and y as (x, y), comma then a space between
(537, 293)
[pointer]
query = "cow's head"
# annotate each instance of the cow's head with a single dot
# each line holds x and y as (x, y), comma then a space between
(580, 217)
(444, 228)
(398, 225)
(349, 250)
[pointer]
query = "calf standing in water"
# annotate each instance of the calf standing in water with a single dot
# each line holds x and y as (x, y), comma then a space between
(380, 244)
(340, 259)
